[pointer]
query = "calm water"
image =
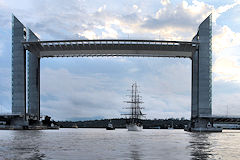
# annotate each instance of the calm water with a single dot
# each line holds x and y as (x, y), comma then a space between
(119, 144)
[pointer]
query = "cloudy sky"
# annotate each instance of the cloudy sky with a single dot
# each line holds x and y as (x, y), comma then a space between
(75, 88)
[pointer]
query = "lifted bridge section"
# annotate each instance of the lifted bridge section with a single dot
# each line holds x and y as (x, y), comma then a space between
(111, 47)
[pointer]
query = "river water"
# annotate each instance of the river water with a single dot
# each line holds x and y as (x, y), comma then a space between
(91, 144)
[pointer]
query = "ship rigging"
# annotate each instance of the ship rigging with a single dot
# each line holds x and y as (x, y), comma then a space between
(134, 122)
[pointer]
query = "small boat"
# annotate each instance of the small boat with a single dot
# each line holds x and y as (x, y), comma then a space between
(75, 126)
(134, 122)
(110, 126)
(170, 127)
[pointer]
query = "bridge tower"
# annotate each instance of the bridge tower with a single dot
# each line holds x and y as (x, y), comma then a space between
(201, 108)
(33, 81)
(18, 71)
(21, 34)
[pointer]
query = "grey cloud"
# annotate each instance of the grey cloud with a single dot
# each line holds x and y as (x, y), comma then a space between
(176, 17)
(65, 19)
(4, 16)
(81, 96)
(5, 89)
(54, 19)
(102, 95)
(226, 104)
(130, 18)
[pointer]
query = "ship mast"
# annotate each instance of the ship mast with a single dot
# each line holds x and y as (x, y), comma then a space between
(135, 109)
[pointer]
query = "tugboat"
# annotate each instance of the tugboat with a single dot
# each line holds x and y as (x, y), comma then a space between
(110, 126)
(170, 127)
(134, 122)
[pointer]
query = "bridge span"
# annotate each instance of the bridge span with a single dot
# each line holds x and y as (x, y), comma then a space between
(111, 47)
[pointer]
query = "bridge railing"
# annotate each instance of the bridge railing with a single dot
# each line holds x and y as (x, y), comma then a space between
(101, 41)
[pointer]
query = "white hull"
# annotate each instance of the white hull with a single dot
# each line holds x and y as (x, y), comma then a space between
(134, 127)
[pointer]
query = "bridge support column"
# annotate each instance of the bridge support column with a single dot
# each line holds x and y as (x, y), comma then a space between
(18, 73)
(33, 81)
(201, 110)
(18, 68)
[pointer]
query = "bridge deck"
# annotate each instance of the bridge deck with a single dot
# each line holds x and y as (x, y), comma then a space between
(224, 119)
(131, 48)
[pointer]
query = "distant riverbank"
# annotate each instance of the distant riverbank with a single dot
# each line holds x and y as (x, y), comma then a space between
(121, 123)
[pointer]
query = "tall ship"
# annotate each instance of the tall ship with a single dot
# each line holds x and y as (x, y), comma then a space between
(134, 122)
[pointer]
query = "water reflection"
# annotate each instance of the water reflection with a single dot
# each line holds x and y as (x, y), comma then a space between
(135, 146)
(200, 146)
(25, 145)
(134, 152)
(100, 144)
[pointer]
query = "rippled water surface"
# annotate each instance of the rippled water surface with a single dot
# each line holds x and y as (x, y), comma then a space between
(101, 144)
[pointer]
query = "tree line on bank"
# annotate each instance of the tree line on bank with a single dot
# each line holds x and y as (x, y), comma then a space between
(121, 123)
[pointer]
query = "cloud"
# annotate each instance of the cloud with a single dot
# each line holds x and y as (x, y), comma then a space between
(72, 95)
(5, 76)
(87, 34)
(136, 8)
(4, 15)
(5, 89)
(1, 49)
(133, 70)
(222, 9)
(230, 105)
(165, 2)
(109, 33)
(65, 95)
(172, 21)
(100, 9)
(224, 38)
(226, 45)
(164, 93)
(226, 69)
(178, 21)
(4, 110)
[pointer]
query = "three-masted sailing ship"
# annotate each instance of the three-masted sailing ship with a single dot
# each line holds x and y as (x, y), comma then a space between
(134, 122)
